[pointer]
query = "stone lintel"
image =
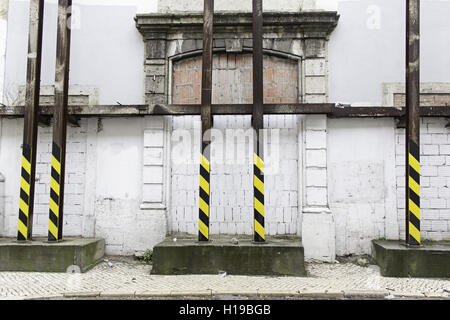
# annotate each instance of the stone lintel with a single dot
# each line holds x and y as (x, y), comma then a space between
(316, 23)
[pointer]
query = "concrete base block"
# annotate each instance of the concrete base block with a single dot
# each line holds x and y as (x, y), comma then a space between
(278, 256)
(69, 255)
(395, 259)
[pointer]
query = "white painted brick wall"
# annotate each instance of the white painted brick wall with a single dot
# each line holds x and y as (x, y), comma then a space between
(74, 184)
(232, 181)
(435, 182)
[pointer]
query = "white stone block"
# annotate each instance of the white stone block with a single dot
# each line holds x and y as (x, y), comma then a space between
(430, 214)
(316, 196)
(438, 203)
(279, 214)
(435, 128)
(316, 177)
(316, 122)
(315, 67)
(429, 171)
(153, 156)
(316, 139)
(439, 139)
(443, 171)
(318, 236)
(152, 192)
(293, 199)
(432, 160)
(153, 138)
(281, 228)
(439, 226)
(444, 149)
(424, 139)
(444, 192)
(429, 192)
(437, 182)
(315, 85)
(287, 215)
(430, 149)
(153, 174)
(154, 122)
(316, 158)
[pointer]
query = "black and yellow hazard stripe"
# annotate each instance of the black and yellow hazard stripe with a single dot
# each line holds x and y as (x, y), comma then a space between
(54, 227)
(203, 221)
(414, 194)
(25, 195)
(258, 194)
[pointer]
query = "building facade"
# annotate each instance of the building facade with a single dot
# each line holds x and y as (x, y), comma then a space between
(133, 180)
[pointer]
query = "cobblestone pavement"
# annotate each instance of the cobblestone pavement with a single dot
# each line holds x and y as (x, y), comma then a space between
(128, 278)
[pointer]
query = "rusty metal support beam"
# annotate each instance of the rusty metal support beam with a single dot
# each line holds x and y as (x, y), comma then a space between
(206, 117)
(55, 230)
(31, 118)
(228, 109)
(258, 123)
(412, 161)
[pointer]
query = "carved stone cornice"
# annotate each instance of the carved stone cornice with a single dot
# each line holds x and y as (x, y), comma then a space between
(310, 23)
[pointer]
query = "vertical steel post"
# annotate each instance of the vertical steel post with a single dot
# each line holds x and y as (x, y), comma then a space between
(55, 229)
(27, 182)
(257, 122)
(206, 99)
(412, 161)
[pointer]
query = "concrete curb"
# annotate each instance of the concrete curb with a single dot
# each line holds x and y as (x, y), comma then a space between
(82, 294)
(320, 294)
(373, 294)
(277, 293)
(117, 294)
(150, 294)
(38, 297)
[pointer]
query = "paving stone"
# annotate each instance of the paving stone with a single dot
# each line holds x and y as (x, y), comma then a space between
(324, 281)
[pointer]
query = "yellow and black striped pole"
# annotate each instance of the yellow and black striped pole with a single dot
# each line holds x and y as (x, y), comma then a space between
(258, 194)
(31, 115)
(25, 203)
(55, 228)
(257, 123)
(206, 117)
(412, 159)
(413, 234)
(55, 212)
(203, 221)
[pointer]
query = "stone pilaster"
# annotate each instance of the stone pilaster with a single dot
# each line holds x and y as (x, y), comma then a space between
(318, 229)
(153, 174)
(155, 67)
